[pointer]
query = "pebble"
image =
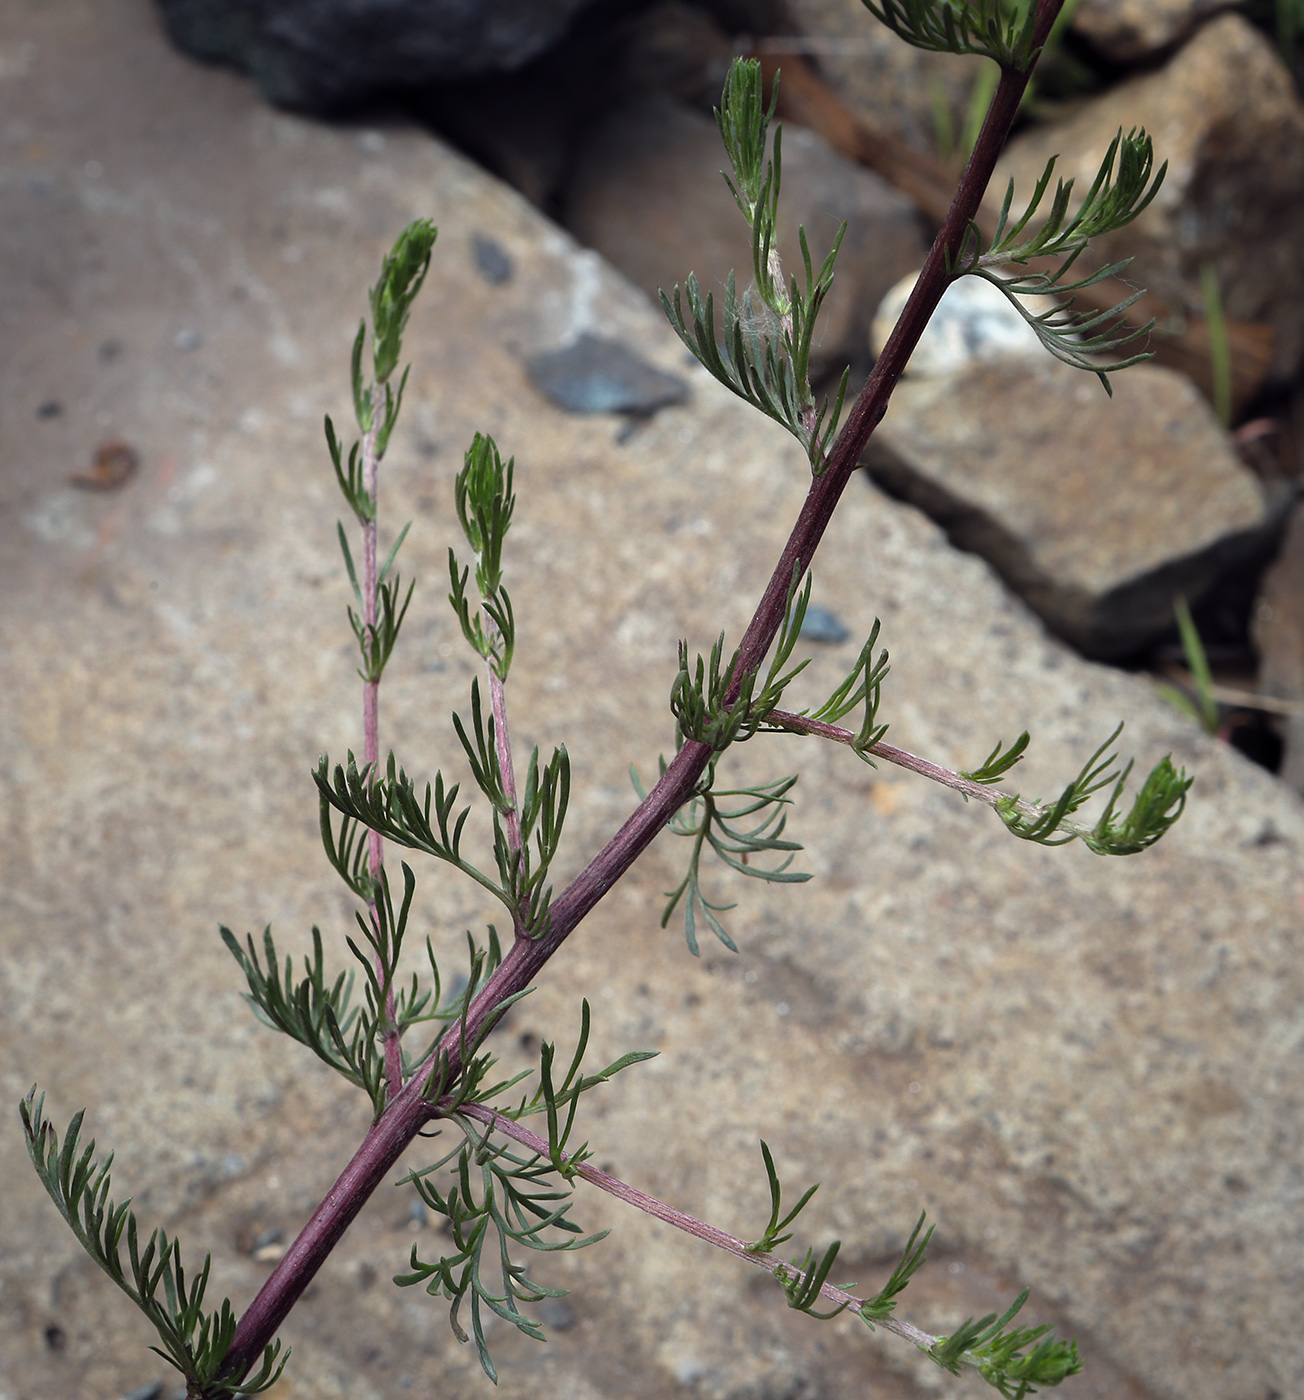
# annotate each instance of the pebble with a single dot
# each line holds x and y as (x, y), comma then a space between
(821, 625)
(492, 260)
(596, 375)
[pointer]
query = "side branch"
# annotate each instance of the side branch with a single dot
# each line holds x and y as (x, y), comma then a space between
(689, 1224)
(993, 797)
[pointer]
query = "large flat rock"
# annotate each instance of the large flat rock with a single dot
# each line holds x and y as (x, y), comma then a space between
(1087, 1071)
(1099, 512)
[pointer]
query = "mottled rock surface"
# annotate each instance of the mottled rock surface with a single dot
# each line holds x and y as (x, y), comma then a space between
(1225, 116)
(1087, 1071)
(326, 55)
(899, 86)
(647, 193)
(1128, 30)
(1097, 511)
(1279, 639)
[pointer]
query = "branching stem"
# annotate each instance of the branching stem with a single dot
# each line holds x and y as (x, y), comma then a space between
(689, 1224)
(957, 782)
(407, 1112)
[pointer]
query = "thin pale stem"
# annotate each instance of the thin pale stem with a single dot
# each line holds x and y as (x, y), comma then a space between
(948, 777)
(405, 1114)
(689, 1224)
(371, 725)
(503, 748)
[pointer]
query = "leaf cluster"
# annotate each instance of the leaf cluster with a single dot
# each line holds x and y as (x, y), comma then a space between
(995, 29)
(327, 1018)
(485, 503)
(552, 1099)
(768, 332)
(153, 1277)
(712, 821)
(1015, 1362)
(376, 640)
(717, 705)
(1125, 185)
(432, 824)
(863, 689)
(1158, 804)
(499, 1200)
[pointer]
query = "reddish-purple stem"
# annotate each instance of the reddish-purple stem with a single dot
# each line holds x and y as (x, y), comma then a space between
(407, 1112)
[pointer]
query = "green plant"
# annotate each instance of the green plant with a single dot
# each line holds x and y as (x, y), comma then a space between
(417, 1046)
(1203, 709)
(1220, 354)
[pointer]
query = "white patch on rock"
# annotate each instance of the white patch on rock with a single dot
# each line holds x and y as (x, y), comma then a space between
(973, 322)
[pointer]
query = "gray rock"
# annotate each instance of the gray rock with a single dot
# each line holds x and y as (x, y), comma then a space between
(594, 374)
(1127, 30)
(823, 625)
(1226, 117)
(647, 193)
(491, 260)
(1084, 1069)
(325, 55)
(899, 86)
(1279, 640)
(1097, 511)
(679, 49)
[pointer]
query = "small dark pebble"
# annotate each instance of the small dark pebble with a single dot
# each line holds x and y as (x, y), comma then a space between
(113, 464)
(492, 260)
(596, 375)
(820, 625)
(558, 1314)
(146, 1392)
(51, 408)
(55, 1338)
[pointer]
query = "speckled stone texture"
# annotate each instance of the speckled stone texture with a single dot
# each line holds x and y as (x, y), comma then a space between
(1098, 511)
(1088, 1072)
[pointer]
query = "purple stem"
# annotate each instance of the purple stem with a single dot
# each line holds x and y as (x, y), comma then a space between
(407, 1112)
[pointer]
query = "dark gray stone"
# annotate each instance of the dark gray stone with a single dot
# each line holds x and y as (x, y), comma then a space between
(492, 261)
(821, 625)
(596, 375)
(324, 55)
